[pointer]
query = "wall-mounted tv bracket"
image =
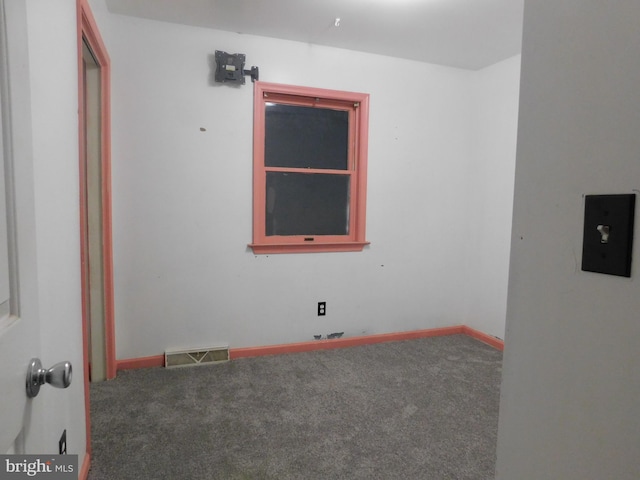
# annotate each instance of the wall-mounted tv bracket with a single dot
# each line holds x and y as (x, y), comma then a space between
(230, 68)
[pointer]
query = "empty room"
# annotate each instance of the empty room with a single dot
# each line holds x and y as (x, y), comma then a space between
(292, 239)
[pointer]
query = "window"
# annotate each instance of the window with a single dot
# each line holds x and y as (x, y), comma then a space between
(310, 169)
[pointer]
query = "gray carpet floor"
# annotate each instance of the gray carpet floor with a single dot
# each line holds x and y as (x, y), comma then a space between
(418, 409)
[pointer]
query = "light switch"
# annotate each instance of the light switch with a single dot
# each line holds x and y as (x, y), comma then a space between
(608, 234)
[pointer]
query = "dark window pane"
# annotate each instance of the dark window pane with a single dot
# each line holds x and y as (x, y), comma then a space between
(307, 204)
(305, 137)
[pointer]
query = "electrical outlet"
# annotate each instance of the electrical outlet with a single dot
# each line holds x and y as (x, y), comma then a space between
(322, 309)
(62, 443)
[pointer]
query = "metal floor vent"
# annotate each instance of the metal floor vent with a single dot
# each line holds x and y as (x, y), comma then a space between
(202, 356)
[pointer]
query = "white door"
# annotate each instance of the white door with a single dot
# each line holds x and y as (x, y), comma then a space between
(19, 323)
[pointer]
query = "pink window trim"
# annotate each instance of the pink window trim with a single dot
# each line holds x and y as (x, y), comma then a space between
(353, 242)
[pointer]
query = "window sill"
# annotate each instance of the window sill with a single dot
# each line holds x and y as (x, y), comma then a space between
(262, 248)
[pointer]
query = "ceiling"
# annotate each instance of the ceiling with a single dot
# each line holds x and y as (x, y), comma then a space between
(469, 34)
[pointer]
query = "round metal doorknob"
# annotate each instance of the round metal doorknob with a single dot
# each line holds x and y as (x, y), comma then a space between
(58, 376)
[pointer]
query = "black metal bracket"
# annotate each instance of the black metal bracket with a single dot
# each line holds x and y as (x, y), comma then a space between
(254, 73)
(230, 68)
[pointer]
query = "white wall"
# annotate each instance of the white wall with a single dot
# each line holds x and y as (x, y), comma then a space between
(490, 194)
(184, 276)
(569, 407)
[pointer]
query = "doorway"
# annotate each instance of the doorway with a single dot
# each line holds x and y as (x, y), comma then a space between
(95, 198)
(94, 133)
(94, 128)
(92, 232)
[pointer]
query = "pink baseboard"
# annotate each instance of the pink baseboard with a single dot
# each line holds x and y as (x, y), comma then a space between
(341, 342)
(234, 353)
(495, 342)
(142, 362)
(83, 474)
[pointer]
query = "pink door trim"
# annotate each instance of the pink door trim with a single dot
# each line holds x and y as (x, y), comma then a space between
(87, 30)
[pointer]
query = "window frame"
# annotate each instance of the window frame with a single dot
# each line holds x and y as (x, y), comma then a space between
(358, 106)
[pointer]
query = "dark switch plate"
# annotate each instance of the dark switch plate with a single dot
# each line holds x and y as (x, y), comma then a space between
(612, 214)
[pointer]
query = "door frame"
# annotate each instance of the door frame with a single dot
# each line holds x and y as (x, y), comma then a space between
(87, 30)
